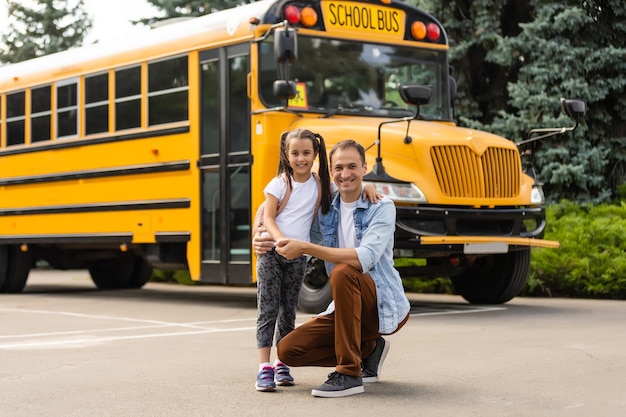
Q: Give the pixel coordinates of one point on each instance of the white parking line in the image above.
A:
(201, 327)
(467, 310)
(92, 316)
(91, 341)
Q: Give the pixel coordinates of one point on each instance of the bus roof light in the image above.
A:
(309, 17)
(433, 31)
(418, 30)
(292, 14)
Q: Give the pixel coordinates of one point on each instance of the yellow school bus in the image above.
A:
(153, 151)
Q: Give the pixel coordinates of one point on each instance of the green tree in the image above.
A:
(188, 8)
(46, 27)
(567, 51)
(514, 59)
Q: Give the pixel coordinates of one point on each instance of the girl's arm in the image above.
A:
(369, 191)
(269, 217)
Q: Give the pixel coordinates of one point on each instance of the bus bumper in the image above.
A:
(436, 231)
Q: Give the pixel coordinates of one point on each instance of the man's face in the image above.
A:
(348, 170)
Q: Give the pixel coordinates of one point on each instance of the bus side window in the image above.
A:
(97, 104)
(40, 116)
(15, 118)
(168, 88)
(128, 98)
(67, 108)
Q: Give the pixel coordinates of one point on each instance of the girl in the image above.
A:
(292, 200)
(279, 280)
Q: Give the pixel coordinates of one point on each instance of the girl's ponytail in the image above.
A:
(324, 174)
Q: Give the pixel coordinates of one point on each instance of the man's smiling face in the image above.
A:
(348, 169)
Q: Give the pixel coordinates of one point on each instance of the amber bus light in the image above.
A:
(418, 30)
(308, 17)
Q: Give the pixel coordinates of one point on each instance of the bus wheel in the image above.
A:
(315, 292)
(494, 279)
(17, 264)
(112, 273)
(142, 272)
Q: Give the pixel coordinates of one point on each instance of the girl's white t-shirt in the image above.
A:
(296, 218)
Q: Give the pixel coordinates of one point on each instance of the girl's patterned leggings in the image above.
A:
(278, 284)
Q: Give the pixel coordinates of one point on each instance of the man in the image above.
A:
(368, 297)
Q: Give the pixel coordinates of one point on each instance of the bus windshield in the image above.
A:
(348, 77)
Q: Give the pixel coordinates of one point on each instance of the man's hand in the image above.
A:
(262, 242)
(290, 248)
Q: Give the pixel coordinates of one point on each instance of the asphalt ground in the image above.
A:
(67, 349)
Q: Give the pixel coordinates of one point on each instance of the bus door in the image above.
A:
(225, 165)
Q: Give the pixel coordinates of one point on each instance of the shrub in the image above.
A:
(591, 262)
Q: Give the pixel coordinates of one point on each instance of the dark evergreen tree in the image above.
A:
(515, 59)
(567, 52)
(47, 26)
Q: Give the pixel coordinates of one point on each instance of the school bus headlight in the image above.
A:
(536, 195)
(407, 193)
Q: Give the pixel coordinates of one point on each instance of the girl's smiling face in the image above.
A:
(301, 156)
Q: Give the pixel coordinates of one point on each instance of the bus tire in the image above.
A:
(315, 293)
(142, 272)
(18, 265)
(112, 273)
(494, 279)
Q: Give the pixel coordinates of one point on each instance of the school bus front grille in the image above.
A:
(464, 174)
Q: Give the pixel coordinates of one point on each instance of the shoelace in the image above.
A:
(333, 378)
(267, 373)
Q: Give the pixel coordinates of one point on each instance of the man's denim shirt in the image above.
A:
(375, 227)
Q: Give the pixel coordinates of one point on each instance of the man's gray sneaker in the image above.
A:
(339, 385)
(374, 362)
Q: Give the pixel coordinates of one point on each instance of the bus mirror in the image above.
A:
(574, 108)
(416, 94)
(452, 88)
(285, 46)
(284, 90)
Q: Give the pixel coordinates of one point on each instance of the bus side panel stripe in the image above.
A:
(100, 207)
(95, 141)
(100, 173)
(117, 238)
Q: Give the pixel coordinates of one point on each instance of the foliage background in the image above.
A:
(45, 27)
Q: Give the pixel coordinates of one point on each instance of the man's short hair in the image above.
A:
(345, 144)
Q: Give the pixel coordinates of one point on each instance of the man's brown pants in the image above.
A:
(343, 338)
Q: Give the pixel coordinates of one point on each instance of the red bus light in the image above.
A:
(433, 31)
(292, 14)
